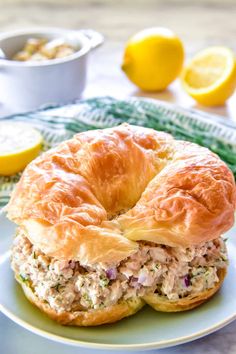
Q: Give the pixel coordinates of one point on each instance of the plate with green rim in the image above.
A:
(147, 329)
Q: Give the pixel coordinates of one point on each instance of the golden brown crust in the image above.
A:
(161, 303)
(169, 192)
(109, 314)
(192, 200)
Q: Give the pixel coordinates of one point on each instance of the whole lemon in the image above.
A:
(153, 58)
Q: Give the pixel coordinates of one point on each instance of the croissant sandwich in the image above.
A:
(118, 218)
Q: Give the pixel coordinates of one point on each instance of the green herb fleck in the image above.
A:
(23, 278)
(87, 298)
(57, 287)
(104, 281)
(224, 258)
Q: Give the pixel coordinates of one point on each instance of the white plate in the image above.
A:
(146, 330)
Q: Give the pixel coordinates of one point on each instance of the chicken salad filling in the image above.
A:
(173, 272)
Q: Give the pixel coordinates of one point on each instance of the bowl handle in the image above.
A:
(95, 38)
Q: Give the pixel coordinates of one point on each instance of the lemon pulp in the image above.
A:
(19, 144)
(210, 77)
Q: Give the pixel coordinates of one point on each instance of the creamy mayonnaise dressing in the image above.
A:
(167, 271)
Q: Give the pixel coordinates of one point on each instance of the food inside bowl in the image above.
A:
(37, 49)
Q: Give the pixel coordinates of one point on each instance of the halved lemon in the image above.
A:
(210, 77)
(19, 144)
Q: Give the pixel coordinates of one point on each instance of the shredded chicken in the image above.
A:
(167, 271)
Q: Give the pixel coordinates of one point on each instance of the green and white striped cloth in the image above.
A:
(60, 123)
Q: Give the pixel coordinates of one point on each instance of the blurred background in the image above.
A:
(198, 23)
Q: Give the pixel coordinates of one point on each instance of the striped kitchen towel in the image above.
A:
(60, 123)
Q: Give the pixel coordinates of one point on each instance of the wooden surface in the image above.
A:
(199, 23)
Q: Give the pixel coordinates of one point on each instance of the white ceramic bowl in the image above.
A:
(29, 85)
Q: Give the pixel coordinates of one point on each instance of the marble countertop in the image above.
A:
(199, 24)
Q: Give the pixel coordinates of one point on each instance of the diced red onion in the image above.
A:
(134, 282)
(187, 281)
(111, 273)
(142, 278)
(72, 264)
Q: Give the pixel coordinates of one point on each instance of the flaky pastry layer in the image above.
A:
(93, 196)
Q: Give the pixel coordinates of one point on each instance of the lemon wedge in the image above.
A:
(153, 58)
(210, 77)
(19, 144)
